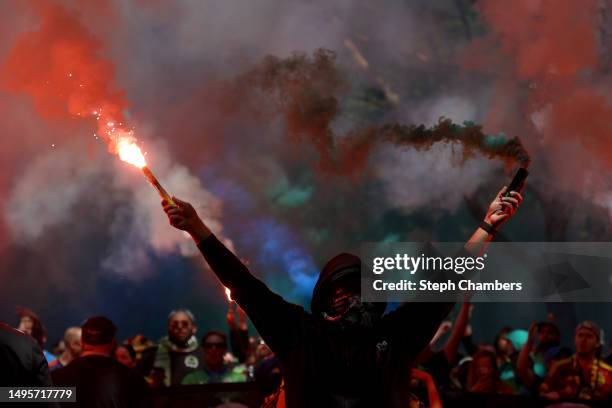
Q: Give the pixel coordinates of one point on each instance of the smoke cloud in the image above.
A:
(60, 68)
(289, 125)
(551, 58)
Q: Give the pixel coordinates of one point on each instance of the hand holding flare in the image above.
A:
(183, 216)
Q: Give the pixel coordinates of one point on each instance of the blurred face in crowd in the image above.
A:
(214, 347)
(262, 351)
(586, 342)
(548, 336)
(484, 368)
(505, 346)
(180, 328)
(123, 356)
(25, 325)
(72, 341)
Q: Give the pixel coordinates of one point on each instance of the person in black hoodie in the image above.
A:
(344, 353)
(22, 363)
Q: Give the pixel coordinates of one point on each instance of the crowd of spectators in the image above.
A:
(529, 362)
(521, 362)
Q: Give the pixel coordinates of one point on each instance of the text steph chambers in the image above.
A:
(465, 284)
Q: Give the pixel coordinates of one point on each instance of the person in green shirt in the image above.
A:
(178, 353)
(215, 369)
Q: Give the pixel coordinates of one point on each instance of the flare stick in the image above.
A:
(153, 180)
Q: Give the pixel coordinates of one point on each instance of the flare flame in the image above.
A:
(130, 153)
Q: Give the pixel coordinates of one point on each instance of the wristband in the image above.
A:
(488, 228)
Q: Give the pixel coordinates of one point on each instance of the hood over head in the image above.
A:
(343, 266)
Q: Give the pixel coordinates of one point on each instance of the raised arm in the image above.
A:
(239, 334)
(229, 269)
(416, 323)
(452, 344)
(277, 321)
(433, 397)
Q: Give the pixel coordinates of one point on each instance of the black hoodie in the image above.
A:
(326, 365)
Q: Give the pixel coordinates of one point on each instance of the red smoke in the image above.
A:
(548, 51)
(59, 66)
(548, 37)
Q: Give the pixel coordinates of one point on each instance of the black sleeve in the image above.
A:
(140, 393)
(413, 325)
(40, 368)
(278, 322)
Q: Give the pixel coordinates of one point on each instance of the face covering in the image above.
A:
(350, 312)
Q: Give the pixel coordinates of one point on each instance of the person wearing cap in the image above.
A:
(101, 381)
(583, 375)
(344, 352)
(178, 353)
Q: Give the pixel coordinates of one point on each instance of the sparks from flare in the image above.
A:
(128, 150)
(228, 294)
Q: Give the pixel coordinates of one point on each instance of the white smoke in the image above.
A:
(415, 179)
(456, 108)
(48, 192)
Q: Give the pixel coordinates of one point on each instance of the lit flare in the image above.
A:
(130, 153)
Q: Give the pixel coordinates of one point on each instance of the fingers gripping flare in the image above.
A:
(183, 216)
